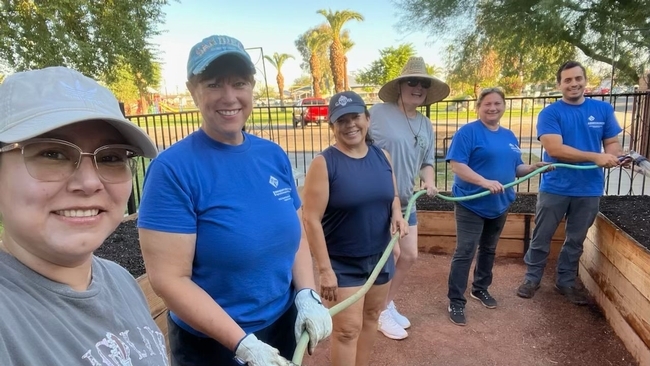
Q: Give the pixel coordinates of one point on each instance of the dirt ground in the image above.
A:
(546, 330)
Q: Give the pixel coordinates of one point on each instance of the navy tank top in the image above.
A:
(356, 222)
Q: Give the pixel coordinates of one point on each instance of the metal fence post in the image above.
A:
(131, 207)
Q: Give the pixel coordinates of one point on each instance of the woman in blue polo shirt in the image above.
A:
(483, 156)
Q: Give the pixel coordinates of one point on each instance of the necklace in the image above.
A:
(416, 136)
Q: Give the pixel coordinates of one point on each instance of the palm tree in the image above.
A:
(336, 21)
(317, 40)
(347, 44)
(434, 70)
(277, 60)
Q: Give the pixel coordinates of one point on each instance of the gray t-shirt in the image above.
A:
(409, 141)
(47, 323)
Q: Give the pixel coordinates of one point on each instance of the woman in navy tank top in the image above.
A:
(351, 209)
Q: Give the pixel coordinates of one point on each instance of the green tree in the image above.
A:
(336, 21)
(388, 66)
(278, 60)
(474, 63)
(301, 82)
(260, 92)
(312, 46)
(591, 26)
(434, 70)
(347, 44)
(593, 77)
(128, 85)
(90, 36)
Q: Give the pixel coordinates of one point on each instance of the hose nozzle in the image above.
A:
(641, 162)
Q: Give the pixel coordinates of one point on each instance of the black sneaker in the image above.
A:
(485, 298)
(575, 295)
(457, 314)
(527, 289)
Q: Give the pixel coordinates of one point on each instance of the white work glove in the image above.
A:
(253, 352)
(312, 317)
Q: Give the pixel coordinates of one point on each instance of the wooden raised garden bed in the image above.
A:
(614, 267)
(437, 228)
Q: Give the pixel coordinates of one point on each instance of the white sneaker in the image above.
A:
(389, 327)
(399, 318)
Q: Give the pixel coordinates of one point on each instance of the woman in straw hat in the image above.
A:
(398, 127)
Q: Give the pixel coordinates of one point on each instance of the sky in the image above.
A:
(274, 26)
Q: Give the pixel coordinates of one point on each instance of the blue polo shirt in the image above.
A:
(583, 127)
(494, 155)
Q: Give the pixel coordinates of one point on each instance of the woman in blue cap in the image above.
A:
(220, 229)
(351, 209)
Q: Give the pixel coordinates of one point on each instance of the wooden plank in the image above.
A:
(156, 304)
(157, 307)
(626, 254)
(436, 223)
(632, 305)
(446, 244)
(444, 223)
(630, 339)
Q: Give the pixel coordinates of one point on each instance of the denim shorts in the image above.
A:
(413, 219)
(355, 271)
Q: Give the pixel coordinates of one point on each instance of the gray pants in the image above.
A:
(580, 214)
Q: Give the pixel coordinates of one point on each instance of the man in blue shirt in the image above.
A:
(579, 131)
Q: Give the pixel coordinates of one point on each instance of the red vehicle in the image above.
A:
(310, 110)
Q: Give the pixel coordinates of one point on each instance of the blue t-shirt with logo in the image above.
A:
(241, 203)
(583, 127)
(494, 155)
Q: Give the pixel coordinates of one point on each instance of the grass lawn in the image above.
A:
(284, 116)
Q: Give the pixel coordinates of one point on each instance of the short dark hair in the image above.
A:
(569, 65)
(223, 67)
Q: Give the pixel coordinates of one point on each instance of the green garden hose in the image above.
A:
(304, 338)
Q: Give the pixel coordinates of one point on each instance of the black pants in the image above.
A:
(190, 350)
(473, 231)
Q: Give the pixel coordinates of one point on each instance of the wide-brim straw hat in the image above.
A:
(415, 68)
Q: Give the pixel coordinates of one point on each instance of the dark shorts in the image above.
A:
(189, 350)
(355, 271)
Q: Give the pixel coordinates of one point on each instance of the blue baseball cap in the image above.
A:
(343, 103)
(210, 49)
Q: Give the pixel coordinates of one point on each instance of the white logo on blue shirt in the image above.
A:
(273, 181)
(515, 148)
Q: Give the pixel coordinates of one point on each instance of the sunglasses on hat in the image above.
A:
(424, 83)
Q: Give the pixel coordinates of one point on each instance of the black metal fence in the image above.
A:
(303, 143)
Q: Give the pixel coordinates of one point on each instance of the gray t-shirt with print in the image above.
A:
(409, 141)
(47, 323)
